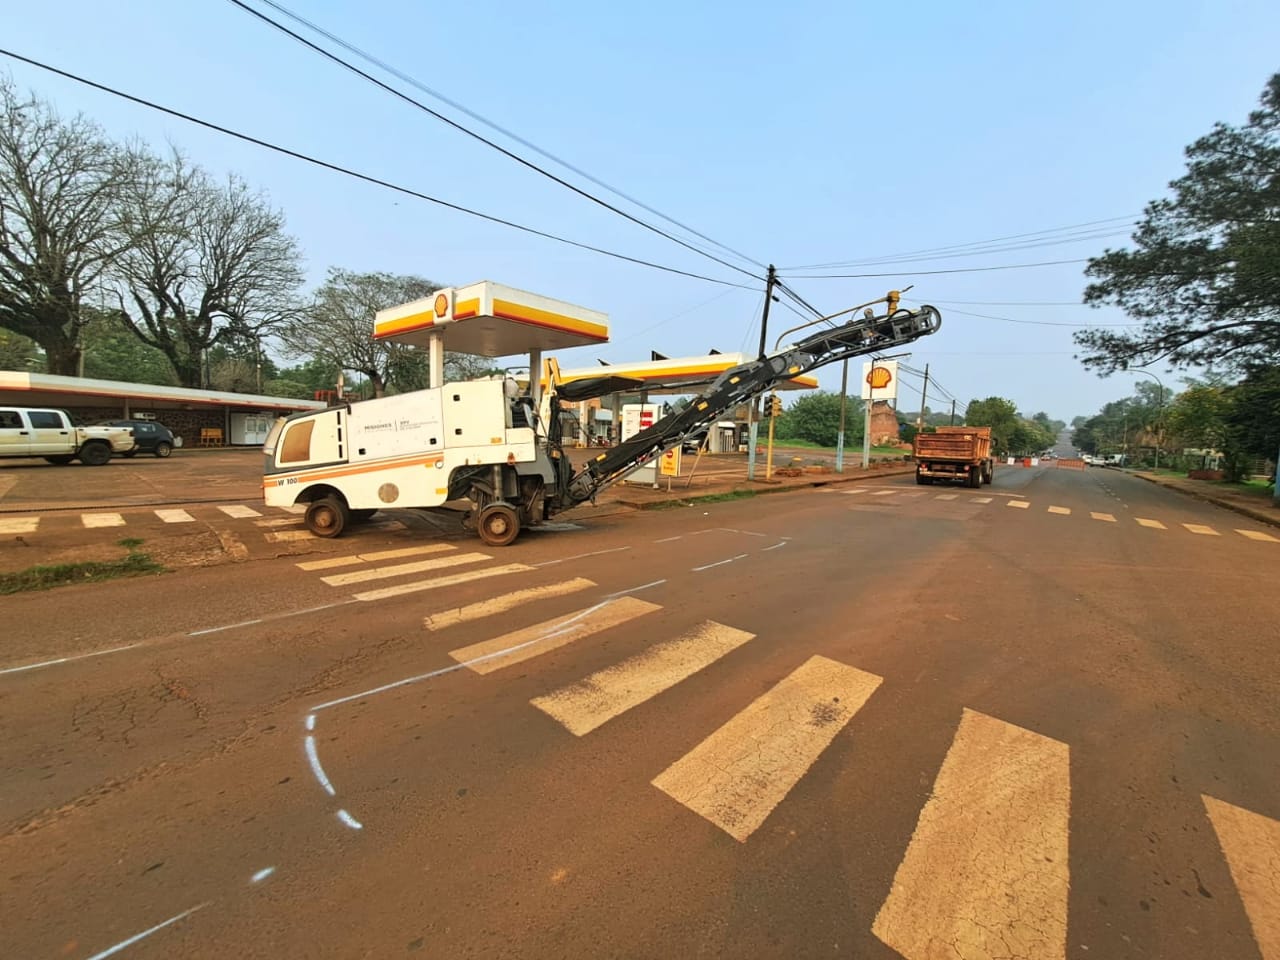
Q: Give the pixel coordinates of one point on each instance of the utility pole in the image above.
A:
(753, 428)
(844, 391)
(953, 413)
(924, 391)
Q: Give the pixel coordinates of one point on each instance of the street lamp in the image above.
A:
(1159, 410)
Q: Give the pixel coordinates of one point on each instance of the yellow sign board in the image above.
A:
(671, 463)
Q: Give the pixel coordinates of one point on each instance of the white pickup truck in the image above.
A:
(49, 433)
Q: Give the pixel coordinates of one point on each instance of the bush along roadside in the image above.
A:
(135, 564)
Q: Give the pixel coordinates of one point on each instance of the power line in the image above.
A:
(412, 81)
(1014, 303)
(1039, 323)
(987, 251)
(485, 140)
(965, 246)
(363, 176)
(921, 273)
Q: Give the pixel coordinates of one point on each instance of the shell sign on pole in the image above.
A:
(880, 380)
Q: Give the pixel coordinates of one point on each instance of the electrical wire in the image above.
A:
(346, 171)
(419, 85)
(1012, 303)
(987, 251)
(485, 140)
(1039, 323)
(676, 316)
(921, 273)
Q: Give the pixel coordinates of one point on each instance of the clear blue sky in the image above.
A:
(809, 133)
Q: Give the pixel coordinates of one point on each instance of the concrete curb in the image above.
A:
(760, 489)
(1258, 515)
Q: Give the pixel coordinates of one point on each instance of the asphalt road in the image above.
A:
(867, 721)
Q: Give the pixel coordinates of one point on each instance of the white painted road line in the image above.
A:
(175, 516)
(549, 635)
(496, 605)
(1251, 844)
(854, 492)
(112, 951)
(374, 557)
(403, 569)
(239, 511)
(1064, 511)
(1153, 524)
(581, 556)
(596, 699)
(50, 663)
(986, 872)
(718, 563)
(979, 499)
(1258, 535)
(1202, 530)
(1020, 504)
(102, 520)
(884, 493)
(946, 496)
(1109, 518)
(19, 524)
(435, 583)
(739, 774)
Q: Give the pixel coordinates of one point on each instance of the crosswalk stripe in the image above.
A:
(1020, 504)
(884, 493)
(102, 520)
(986, 871)
(495, 605)
(403, 569)
(239, 511)
(359, 558)
(19, 524)
(979, 499)
(1109, 518)
(855, 491)
(1065, 511)
(1257, 535)
(289, 536)
(278, 522)
(400, 589)
(1251, 844)
(946, 496)
(1153, 524)
(916, 493)
(595, 700)
(739, 774)
(1201, 529)
(549, 635)
(175, 516)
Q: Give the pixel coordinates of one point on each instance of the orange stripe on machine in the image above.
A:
(322, 473)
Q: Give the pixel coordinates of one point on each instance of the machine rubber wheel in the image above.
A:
(327, 517)
(61, 459)
(499, 524)
(163, 449)
(360, 516)
(95, 454)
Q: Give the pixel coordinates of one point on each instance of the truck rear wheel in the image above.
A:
(95, 454)
(327, 517)
(975, 477)
(924, 481)
(499, 524)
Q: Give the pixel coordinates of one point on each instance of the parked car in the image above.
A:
(151, 437)
(694, 441)
(49, 433)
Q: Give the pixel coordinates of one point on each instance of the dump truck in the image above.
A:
(960, 454)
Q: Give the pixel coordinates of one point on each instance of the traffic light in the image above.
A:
(775, 405)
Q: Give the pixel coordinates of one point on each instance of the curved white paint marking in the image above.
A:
(643, 586)
(262, 874)
(311, 721)
(111, 951)
(780, 543)
(316, 769)
(349, 820)
(718, 563)
(51, 663)
(580, 556)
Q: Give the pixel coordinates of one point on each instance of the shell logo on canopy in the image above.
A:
(442, 305)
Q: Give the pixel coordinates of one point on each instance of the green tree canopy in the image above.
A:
(1204, 275)
(815, 417)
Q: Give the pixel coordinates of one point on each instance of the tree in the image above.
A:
(337, 327)
(113, 352)
(204, 261)
(59, 183)
(815, 417)
(18, 352)
(1204, 277)
(1000, 415)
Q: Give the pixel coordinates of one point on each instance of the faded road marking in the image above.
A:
(1103, 516)
(278, 522)
(718, 563)
(596, 699)
(1251, 844)
(19, 524)
(1064, 511)
(7, 480)
(1201, 529)
(349, 820)
(580, 556)
(739, 774)
(112, 951)
(1257, 535)
(979, 499)
(239, 511)
(855, 491)
(289, 536)
(496, 605)
(102, 520)
(551, 634)
(403, 569)
(262, 874)
(313, 758)
(884, 493)
(946, 496)
(1153, 524)
(175, 516)
(78, 656)
(437, 582)
(986, 872)
(375, 557)
(1020, 504)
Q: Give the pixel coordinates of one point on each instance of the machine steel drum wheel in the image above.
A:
(499, 524)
